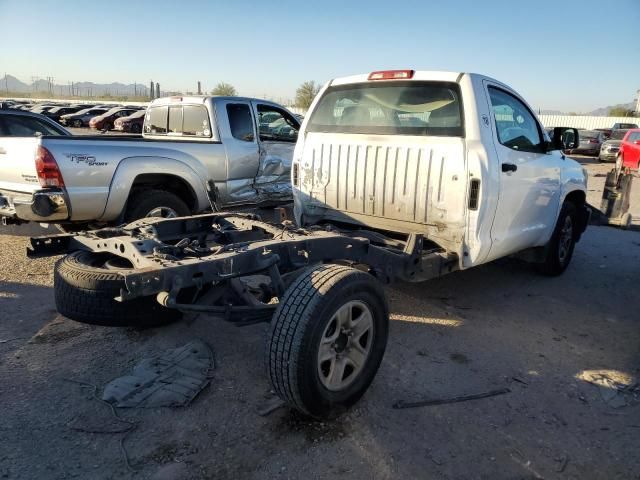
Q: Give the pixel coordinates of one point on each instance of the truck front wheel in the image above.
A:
(327, 339)
(155, 203)
(559, 250)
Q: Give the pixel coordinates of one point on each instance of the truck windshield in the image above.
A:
(400, 108)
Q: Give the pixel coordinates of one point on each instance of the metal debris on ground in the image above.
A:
(171, 379)
(429, 402)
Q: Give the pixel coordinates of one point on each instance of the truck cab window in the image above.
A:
(516, 126)
(175, 119)
(240, 121)
(156, 121)
(277, 125)
(195, 121)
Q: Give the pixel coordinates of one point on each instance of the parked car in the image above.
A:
(81, 118)
(106, 120)
(132, 123)
(629, 157)
(626, 126)
(398, 175)
(611, 147)
(195, 153)
(25, 124)
(55, 113)
(606, 131)
(589, 143)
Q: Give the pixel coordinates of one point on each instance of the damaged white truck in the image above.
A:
(397, 175)
(195, 154)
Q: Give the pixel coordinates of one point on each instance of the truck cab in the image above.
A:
(458, 157)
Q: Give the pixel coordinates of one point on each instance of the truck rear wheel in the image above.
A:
(327, 339)
(85, 285)
(155, 203)
(559, 250)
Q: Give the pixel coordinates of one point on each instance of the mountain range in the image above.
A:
(13, 84)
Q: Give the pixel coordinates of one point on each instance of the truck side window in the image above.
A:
(156, 121)
(277, 125)
(240, 121)
(516, 126)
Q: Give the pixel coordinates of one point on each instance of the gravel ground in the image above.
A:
(497, 326)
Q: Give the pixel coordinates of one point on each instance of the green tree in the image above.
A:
(225, 90)
(306, 93)
(620, 112)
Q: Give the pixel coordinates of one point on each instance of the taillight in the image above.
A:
(593, 140)
(391, 75)
(48, 172)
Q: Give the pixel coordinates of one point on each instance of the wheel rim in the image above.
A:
(164, 212)
(566, 239)
(345, 345)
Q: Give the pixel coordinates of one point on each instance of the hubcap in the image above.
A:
(164, 212)
(566, 239)
(345, 345)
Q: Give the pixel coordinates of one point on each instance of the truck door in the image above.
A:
(529, 179)
(241, 146)
(277, 134)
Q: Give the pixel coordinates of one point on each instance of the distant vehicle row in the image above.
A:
(127, 118)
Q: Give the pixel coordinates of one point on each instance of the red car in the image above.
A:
(133, 123)
(105, 121)
(629, 156)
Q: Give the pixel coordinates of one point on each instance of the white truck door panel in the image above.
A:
(529, 180)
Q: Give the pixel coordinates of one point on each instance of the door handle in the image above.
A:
(509, 167)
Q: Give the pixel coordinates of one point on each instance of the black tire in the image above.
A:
(300, 323)
(77, 123)
(135, 128)
(559, 250)
(85, 292)
(143, 202)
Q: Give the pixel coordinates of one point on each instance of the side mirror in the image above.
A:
(564, 138)
(637, 142)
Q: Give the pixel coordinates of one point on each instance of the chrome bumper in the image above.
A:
(41, 206)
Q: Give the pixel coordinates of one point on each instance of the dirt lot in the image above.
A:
(500, 325)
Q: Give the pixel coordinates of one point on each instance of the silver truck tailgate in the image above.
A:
(17, 164)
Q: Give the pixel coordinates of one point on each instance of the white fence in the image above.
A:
(583, 121)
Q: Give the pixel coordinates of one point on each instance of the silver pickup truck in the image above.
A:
(196, 153)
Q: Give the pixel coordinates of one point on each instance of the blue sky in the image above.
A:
(570, 55)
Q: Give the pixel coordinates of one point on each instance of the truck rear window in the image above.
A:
(400, 108)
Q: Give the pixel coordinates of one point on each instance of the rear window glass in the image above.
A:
(175, 119)
(618, 134)
(181, 120)
(401, 108)
(156, 121)
(196, 121)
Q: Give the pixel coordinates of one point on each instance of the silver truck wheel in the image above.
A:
(163, 212)
(327, 339)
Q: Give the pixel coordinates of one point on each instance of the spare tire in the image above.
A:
(85, 285)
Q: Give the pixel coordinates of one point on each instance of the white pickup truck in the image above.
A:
(195, 153)
(397, 175)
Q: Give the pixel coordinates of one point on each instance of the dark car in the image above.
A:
(132, 123)
(57, 112)
(590, 142)
(26, 124)
(82, 117)
(106, 120)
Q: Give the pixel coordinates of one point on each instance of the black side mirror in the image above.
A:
(564, 138)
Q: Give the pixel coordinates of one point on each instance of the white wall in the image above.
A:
(583, 121)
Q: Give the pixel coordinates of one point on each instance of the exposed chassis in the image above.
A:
(171, 255)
